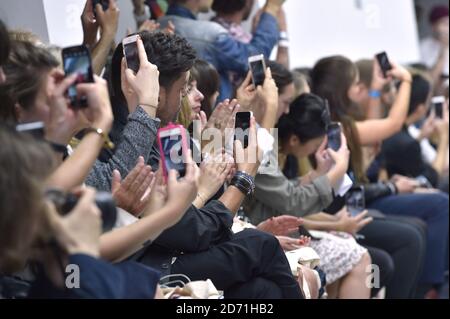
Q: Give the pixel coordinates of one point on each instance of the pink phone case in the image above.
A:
(184, 145)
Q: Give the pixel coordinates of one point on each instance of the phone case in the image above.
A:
(184, 144)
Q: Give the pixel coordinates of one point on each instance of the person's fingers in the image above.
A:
(135, 172)
(140, 178)
(361, 216)
(141, 50)
(203, 118)
(322, 146)
(145, 185)
(173, 176)
(116, 181)
(253, 134)
(65, 84)
(365, 222)
(248, 80)
(268, 73)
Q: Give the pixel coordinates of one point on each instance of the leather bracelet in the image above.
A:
(244, 182)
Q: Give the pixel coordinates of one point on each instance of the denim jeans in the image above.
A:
(433, 210)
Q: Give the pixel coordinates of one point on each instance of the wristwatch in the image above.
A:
(108, 144)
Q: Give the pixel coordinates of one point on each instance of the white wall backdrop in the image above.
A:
(355, 28)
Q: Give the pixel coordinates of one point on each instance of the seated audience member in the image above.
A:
(208, 83)
(51, 242)
(402, 153)
(214, 44)
(35, 91)
(336, 79)
(202, 239)
(435, 49)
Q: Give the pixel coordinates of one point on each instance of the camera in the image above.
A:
(66, 202)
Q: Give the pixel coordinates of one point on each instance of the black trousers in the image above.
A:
(252, 265)
(405, 240)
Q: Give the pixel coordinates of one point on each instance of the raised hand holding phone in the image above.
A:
(145, 83)
(77, 61)
(257, 66)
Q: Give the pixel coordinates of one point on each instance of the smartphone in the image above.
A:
(257, 66)
(334, 136)
(356, 200)
(130, 51)
(36, 129)
(384, 63)
(242, 127)
(438, 106)
(104, 4)
(77, 60)
(173, 147)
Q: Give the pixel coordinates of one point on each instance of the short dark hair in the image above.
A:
(171, 53)
(420, 91)
(228, 6)
(282, 76)
(24, 70)
(307, 119)
(4, 40)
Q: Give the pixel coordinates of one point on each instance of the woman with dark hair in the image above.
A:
(336, 79)
(208, 83)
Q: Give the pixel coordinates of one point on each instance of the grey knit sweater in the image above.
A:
(137, 140)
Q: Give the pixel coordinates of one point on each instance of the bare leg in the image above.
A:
(353, 285)
(333, 289)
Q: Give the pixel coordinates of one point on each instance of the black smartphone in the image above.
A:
(77, 60)
(242, 127)
(383, 61)
(257, 66)
(36, 129)
(438, 106)
(334, 136)
(104, 4)
(356, 200)
(130, 51)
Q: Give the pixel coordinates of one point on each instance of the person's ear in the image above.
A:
(294, 141)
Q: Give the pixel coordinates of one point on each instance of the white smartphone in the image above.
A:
(130, 51)
(257, 66)
(438, 106)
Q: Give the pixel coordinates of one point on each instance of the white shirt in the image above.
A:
(428, 151)
(430, 48)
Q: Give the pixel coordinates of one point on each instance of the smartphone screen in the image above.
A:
(242, 127)
(77, 60)
(36, 129)
(438, 106)
(131, 53)
(385, 65)
(258, 69)
(172, 147)
(355, 201)
(334, 136)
